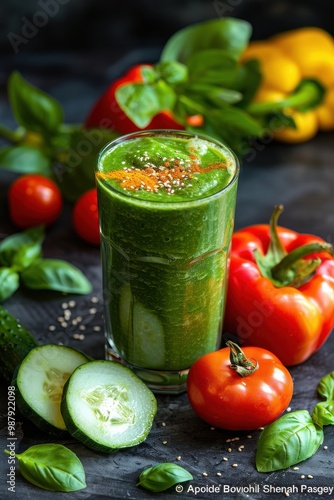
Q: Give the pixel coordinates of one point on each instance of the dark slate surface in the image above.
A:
(302, 178)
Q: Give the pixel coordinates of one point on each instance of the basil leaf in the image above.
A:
(75, 172)
(172, 72)
(27, 254)
(236, 119)
(33, 109)
(163, 476)
(12, 244)
(288, 441)
(25, 159)
(326, 386)
(141, 102)
(59, 275)
(323, 413)
(52, 467)
(9, 282)
(213, 66)
(228, 34)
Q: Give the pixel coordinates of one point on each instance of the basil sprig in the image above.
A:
(21, 261)
(200, 73)
(163, 476)
(296, 436)
(43, 144)
(52, 467)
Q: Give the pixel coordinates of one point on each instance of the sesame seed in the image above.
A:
(178, 458)
(78, 336)
(325, 447)
(64, 324)
(234, 465)
(288, 409)
(79, 318)
(74, 322)
(164, 442)
(225, 459)
(92, 310)
(309, 476)
(64, 305)
(94, 300)
(163, 424)
(286, 493)
(212, 428)
(205, 474)
(249, 436)
(52, 328)
(218, 474)
(60, 319)
(229, 450)
(96, 328)
(302, 476)
(82, 327)
(295, 468)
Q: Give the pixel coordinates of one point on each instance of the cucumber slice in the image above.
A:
(39, 381)
(107, 407)
(15, 343)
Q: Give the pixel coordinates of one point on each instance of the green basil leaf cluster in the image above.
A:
(200, 72)
(296, 436)
(163, 476)
(52, 467)
(21, 261)
(43, 144)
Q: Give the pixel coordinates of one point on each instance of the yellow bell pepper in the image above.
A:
(286, 59)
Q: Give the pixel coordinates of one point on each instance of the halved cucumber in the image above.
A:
(39, 381)
(107, 407)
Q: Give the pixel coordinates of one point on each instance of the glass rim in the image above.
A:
(175, 133)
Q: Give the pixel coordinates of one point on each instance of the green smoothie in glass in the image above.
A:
(166, 208)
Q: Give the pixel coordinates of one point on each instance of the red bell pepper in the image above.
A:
(280, 290)
(107, 113)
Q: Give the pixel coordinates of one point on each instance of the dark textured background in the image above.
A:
(73, 57)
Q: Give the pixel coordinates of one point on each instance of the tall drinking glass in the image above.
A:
(166, 207)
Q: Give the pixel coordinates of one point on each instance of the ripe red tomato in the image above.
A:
(227, 400)
(34, 199)
(85, 217)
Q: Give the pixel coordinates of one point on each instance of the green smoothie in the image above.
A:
(166, 206)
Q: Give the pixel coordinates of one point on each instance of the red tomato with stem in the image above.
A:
(34, 199)
(239, 390)
(85, 217)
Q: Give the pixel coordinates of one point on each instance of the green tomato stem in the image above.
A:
(242, 365)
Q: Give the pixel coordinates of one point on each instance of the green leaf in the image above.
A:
(213, 66)
(248, 81)
(326, 387)
(231, 35)
(9, 282)
(163, 476)
(288, 441)
(24, 160)
(323, 413)
(27, 254)
(237, 120)
(52, 467)
(172, 72)
(11, 245)
(33, 109)
(75, 170)
(141, 102)
(59, 275)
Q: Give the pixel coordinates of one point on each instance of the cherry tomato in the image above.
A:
(85, 217)
(227, 400)
(34, 199)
